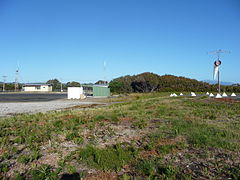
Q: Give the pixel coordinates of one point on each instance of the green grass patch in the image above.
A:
(110, 158)
(203, 135)
(155, 169)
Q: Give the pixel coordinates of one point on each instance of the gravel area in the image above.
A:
(8, 109)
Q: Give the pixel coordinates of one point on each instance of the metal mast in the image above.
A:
(217, 63)
(104, 71)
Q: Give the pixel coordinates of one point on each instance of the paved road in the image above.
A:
(31, 97)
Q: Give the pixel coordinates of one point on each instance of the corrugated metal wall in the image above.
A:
(101, 91)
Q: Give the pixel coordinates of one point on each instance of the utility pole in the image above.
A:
(217, 64)
(61, 85)
(4, 81)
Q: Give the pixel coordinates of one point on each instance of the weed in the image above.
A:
(4, 167)
(165, 149)
(19, 176)
(71, 135)
(233, 172)
(100, 118)
(6, 155)
(44, 172)
(24, 159)
(154, 168)
(140, 124)
(110, 158)
(72, 169)
(114, 118)
(78, 140)
(147, 167)
(125, 177)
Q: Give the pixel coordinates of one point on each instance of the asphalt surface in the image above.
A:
(31, 97)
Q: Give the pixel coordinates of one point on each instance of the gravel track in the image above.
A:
(8, 109)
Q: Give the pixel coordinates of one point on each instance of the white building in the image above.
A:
(75, 92)
(37, 87)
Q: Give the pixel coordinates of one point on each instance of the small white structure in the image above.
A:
(193, 94)
(173, 95)
(211, 95)
(37, 87)
(75, 92)
(224, 95)
(207, 93)
(218, 95)
(181, 94)
(233, 94)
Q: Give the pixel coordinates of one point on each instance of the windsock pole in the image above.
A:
(219, 82)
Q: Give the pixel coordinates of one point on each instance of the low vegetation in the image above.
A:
(146, 136)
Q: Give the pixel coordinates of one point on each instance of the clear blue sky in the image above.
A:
(71, 39)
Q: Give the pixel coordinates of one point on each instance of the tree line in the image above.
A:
(56, 85)
(150, 82)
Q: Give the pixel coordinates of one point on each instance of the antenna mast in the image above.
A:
(104, 70)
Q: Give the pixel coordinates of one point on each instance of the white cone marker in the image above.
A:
(193, 94)
(207, 93)
(233, 94)
(218, 95)
(224, 95)
(175, 95)
(211, 95)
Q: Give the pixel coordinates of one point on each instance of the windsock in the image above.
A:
(216, 66)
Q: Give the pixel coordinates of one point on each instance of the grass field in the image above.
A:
(146, 136)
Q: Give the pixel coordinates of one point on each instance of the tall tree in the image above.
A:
(55, 83)
(121, 84)
(146, 82)
(73, 84)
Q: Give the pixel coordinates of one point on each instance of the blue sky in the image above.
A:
(70, 40)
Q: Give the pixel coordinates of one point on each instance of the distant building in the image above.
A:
(96, 90)
(37, 87)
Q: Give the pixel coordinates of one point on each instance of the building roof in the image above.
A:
(37, 84)
(94, 85)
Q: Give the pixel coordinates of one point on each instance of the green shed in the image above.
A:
(101, 91)
(96, 90)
